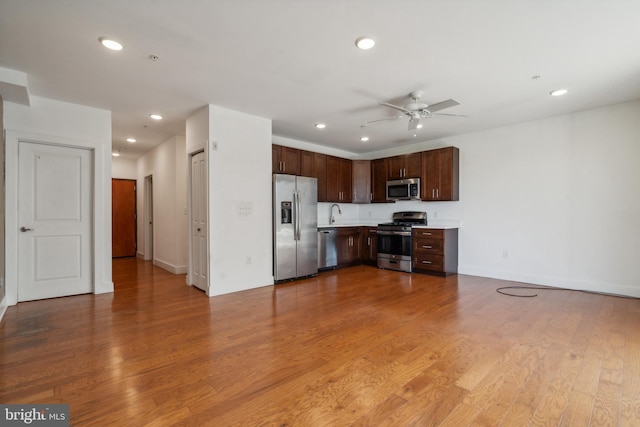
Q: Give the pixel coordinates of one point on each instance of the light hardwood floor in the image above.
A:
(358, 346)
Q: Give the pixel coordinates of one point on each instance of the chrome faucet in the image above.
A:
(331, 217)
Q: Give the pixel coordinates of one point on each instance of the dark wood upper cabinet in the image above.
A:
(285, 160)
(361, 181)
(405, 166)
(379, 175)
(338, 179)
(365, 181)
(320, 172)
(306, 164)
(314, 165)
(440, 174)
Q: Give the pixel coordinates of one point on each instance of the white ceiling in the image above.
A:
(295, 62)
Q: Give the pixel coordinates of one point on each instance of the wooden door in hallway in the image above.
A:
(123, 217)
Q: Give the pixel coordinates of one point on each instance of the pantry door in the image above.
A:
(55, 220)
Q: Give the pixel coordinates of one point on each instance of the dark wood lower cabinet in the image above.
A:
(348, 246)
(435, 251)
(369, 245)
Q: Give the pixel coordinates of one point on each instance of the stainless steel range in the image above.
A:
(394, 240)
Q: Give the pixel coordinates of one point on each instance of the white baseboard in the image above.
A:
(175, 269)
(553, 281)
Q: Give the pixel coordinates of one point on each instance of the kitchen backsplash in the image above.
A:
(438, 213)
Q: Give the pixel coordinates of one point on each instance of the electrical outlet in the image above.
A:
(505, 254)
(248, 260)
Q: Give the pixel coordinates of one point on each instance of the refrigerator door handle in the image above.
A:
(296, 221)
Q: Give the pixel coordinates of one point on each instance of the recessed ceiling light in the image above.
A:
(131, 140)
(364, 139)
(115, 154)
(155, 116)
(559, 92)
(365, 43)
(321, 125)
(419, 126)
(110, 44)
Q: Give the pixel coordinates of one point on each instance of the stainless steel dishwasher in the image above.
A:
(327, 248)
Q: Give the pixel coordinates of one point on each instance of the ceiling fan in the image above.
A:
(417, 110)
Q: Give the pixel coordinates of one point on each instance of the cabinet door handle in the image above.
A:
(433, 193)
(427, 246)
(426, 234)
(368, 241)
(426, 262)
(437, 193)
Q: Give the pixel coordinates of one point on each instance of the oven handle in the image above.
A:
(394, 233)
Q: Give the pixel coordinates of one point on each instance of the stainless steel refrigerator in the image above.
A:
(295, 227)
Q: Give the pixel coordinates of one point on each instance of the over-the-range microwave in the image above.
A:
(403, 189)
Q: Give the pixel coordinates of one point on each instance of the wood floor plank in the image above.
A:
(357, 346)
(578, 410)
(607, 404)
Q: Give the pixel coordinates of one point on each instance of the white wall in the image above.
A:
(166, 164)
(554, 201)
(238, 152)
(124, 168)
(240, 176)
(74, 125)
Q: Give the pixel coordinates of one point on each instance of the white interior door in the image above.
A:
(54, 213)
(199, 221)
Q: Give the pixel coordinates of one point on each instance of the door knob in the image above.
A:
(25, 229)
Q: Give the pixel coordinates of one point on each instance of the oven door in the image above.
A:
(394, 242)
(394, 250)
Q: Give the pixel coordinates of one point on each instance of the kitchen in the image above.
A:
(302, 178)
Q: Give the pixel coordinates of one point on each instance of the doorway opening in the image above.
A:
(123, 218)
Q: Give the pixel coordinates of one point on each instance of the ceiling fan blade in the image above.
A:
(413, 124)
(404, 110)
(452, 115)
(442, 105)
(381, 120)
